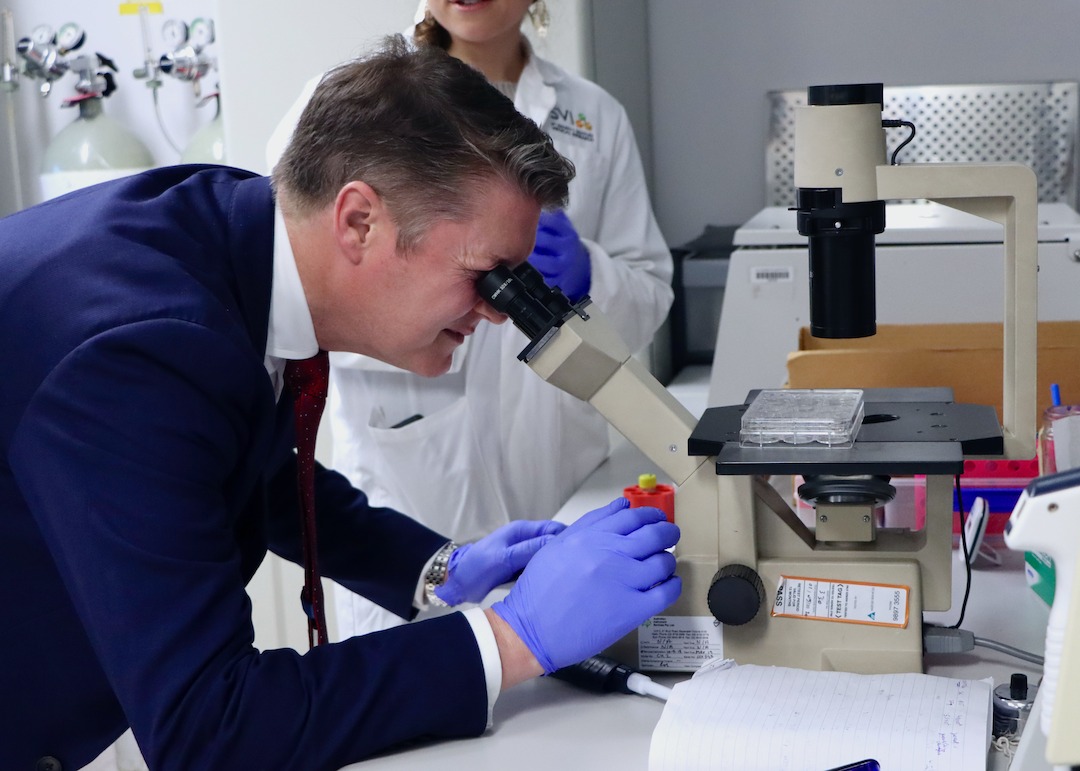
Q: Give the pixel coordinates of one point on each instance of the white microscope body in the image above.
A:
(742, 546)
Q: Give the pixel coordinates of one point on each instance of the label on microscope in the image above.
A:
(679, 643)
(849, 602)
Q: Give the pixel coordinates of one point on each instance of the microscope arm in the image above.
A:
(1004, 193)
(587, 359)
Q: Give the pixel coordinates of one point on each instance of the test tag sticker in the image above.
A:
(680, 643)
(849, 602)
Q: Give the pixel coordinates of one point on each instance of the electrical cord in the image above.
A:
(1023, 655)
(947, 639)
(902, 145)
(964, 545)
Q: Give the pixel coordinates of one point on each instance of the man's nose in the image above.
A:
(489, 313)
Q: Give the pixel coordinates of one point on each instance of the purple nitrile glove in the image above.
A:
(593, 583)
(560, 256)
(477, 568)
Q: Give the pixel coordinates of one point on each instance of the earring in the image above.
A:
(540, 18)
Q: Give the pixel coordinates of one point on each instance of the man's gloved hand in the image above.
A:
(560, 256)
(595, 581)
(477, 568)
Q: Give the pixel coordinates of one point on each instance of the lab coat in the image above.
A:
(495, 442)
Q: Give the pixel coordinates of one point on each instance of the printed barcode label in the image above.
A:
(773, 275)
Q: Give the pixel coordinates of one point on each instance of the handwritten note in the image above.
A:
(753, 717)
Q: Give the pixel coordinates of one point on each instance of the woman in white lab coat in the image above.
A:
(494, 442)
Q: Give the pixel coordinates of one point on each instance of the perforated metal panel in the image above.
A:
(1030, 123)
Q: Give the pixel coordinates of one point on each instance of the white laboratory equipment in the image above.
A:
(93, 148)
(934, 265)
(185, 60)
(846, 595)
(1047, 519)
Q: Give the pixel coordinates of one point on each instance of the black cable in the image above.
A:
(603, 674)
(597, 673)
(964, 544)
(902, 145)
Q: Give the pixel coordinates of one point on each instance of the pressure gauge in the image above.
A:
(70, 37)
(42, 35)
(175, 33)
(202, 33)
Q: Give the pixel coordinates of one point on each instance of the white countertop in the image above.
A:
(547, 724)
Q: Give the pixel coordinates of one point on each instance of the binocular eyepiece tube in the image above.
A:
(534, 307)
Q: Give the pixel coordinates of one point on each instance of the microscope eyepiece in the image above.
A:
(504, 291)
(533, 306)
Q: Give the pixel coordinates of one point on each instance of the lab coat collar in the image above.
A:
(535, 97)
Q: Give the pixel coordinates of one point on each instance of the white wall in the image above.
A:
(329, 32)
(712, 64)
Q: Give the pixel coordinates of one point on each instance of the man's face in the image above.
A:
(425, 303)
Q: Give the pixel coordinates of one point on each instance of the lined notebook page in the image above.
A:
(753, 717)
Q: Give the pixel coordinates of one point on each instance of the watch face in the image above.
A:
(42, 35)
(70, 36)
(175, 33)
(202, 33)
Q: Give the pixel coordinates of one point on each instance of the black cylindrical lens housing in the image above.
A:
(842, 286)
(846, 93)
(506, 293)
(843, 302)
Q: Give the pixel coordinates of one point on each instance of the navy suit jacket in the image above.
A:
(145, 469)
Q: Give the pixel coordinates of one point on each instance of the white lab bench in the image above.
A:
(547, 724)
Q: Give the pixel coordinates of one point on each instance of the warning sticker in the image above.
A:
(680, 643)
(850, 602)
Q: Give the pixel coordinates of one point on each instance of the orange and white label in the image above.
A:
(849, 602)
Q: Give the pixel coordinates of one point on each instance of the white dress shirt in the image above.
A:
(291, 335)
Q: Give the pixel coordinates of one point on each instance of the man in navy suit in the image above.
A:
(147, 449)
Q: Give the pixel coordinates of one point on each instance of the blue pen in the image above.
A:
(1055, 394)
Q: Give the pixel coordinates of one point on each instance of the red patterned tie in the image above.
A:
(307, 381)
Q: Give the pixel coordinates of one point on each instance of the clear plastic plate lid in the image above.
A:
(827, 416)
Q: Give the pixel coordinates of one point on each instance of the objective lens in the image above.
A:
(843, 301)
(842, 286)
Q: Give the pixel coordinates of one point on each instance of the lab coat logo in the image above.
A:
(572, 124)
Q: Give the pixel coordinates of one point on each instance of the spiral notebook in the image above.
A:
(748, 717)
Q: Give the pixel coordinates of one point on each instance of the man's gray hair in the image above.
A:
(425, 131)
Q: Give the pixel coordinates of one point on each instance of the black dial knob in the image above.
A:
(736, 594)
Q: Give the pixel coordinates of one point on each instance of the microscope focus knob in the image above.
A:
(736, 594)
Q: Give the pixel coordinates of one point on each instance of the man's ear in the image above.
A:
(360, 220)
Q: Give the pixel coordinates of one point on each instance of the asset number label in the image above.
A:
(679, 643)
(848, 602)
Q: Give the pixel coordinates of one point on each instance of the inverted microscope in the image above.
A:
(760, 585)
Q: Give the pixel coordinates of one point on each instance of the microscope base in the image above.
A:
(858, 644)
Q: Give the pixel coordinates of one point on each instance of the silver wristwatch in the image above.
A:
(436, 575)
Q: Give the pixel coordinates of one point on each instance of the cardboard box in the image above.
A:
(965, 357)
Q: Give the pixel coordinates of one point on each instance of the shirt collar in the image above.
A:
(290, 333)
